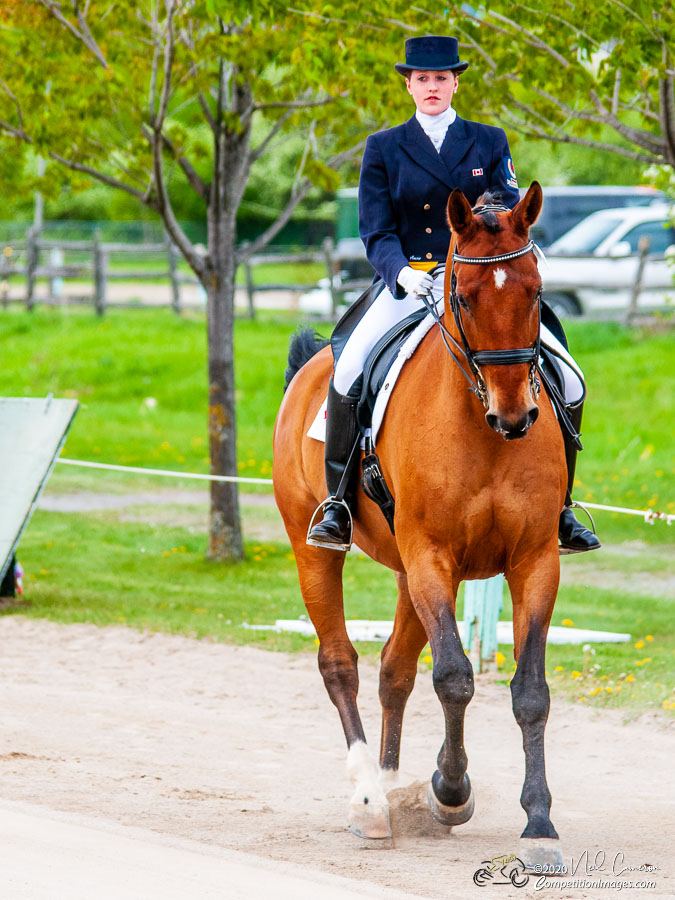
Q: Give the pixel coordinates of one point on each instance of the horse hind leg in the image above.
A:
(320, 573)
(397, 678)
(533, 594)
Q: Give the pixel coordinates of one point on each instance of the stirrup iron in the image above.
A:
(344, 548)
(576, 505)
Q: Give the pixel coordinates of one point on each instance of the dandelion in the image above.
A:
(500, 658)
(289, 556)
(582, 700)
(576, 674)
(609, 690)
(568, 623)
(316, 642)
(639, 645)
(559, 669)
(649, 637)
(595, 691)
(426, 659)
(642, 662)
(257, 557)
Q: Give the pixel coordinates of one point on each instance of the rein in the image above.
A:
(477, 358)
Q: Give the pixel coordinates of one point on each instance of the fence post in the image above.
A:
(328, 248)
(248, 274)
(173, 275)
(643, 249)
(100, 274)
(32, 259)
(482, 605)
(4, 278)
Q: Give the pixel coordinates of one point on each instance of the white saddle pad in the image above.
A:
(571, 371)
(317, 429)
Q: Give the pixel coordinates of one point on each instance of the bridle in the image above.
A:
(477, 358)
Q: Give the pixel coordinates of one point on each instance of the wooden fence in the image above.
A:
(40, 258)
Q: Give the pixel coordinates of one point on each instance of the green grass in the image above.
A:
(92, 568)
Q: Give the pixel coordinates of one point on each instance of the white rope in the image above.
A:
(649, 515)
(165, 472)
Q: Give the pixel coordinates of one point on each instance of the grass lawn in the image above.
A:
(140, 376)
(157, 579)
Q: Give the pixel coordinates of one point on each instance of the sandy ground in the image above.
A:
(159, 740)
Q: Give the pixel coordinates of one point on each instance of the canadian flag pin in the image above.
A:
(476, 171)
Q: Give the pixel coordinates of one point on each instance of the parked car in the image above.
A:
(565, 206)
(593, 267)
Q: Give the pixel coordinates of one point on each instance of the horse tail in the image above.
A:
(305, 344)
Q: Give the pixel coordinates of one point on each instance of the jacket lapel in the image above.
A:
(420, 149)
(456, 145)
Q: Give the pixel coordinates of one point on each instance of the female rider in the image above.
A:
(406, 178)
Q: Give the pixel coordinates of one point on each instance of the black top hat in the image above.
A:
(434, 53)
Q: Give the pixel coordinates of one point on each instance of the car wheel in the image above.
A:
(563, 305)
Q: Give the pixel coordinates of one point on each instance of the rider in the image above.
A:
(406, 177)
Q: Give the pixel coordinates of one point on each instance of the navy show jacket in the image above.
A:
(405, 184)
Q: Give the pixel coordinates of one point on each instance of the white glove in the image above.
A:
(415, 281)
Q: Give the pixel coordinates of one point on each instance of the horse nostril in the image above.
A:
(492, 420)
(532, 416)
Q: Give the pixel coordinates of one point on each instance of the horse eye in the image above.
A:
(538, 295)
(461, 299)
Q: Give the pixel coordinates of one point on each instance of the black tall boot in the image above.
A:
(334, 531)
(573, 536)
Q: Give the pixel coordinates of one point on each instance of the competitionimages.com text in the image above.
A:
(545, 883)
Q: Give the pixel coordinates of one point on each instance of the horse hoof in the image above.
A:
(370, 821)
(450, 815)
(542, 855)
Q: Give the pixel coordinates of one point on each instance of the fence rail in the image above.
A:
(38, 258)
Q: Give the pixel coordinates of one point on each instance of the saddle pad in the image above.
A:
(317, 429)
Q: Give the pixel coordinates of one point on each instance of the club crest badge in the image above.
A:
(511, 179)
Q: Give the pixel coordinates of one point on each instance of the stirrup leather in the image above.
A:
(313, 542)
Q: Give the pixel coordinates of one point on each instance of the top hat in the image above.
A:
(434, 53)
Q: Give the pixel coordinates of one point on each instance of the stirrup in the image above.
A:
(344, 548)
(566, 551)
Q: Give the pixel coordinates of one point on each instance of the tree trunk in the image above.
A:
(225, 542)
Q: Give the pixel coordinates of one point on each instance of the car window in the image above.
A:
(586, 236)
(659, 233)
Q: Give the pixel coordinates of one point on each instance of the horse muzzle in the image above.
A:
(512, 428)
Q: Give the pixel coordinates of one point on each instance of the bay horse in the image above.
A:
(471, 502)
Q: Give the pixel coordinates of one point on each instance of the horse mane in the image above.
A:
(305, 344)
(489, 219)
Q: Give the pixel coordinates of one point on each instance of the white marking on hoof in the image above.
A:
(388, 779)
(368, 807)
(544, 853)
(450, 815)
(500, 277)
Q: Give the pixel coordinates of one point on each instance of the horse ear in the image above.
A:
(527, 211)
(459, 212)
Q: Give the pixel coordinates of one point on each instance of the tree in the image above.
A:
(600, 74)
(106, 91)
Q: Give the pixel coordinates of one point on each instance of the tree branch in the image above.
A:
(303, 189)
(194, 179)
(529, 130)
(163, 202)
(273, 132)
(84, 34)
(296, 104)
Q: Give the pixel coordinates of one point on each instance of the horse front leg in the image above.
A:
(433, 592)
(533, 591)
(320, 574)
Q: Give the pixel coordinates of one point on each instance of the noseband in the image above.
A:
(477, 358)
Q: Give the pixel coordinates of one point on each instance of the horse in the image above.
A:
(478, 491)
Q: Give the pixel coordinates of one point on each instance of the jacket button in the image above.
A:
(428, 230)
(426, 206)
(428, 255)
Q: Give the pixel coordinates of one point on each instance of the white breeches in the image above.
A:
(387, 312)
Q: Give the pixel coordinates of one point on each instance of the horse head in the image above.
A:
(496, 304)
